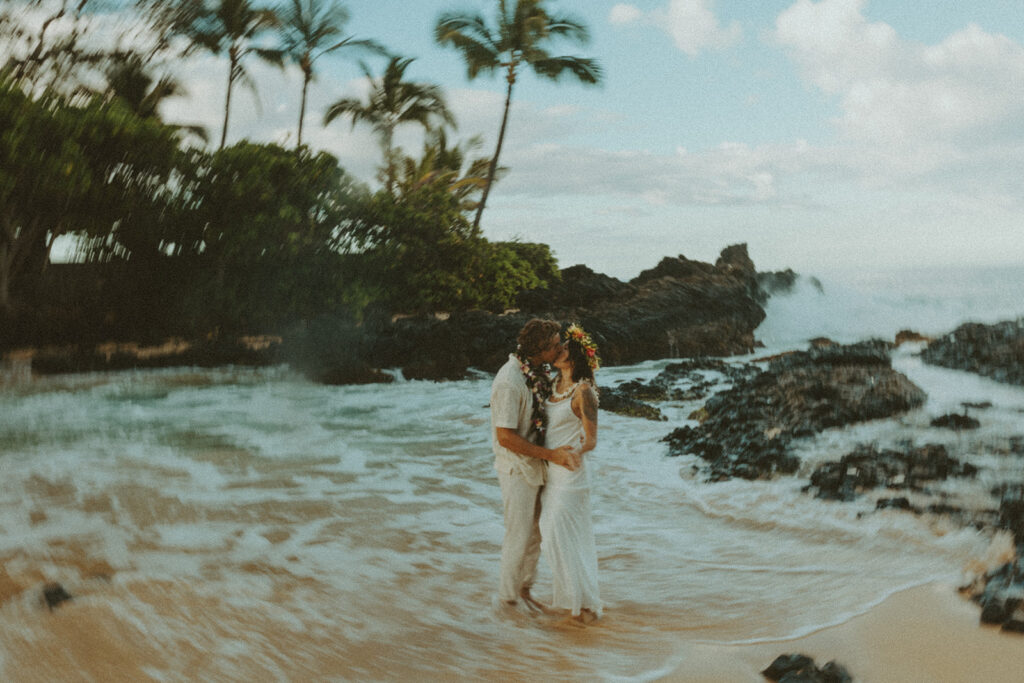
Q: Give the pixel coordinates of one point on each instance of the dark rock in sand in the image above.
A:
(1000, 598)
(956, 422)
(868, 467)
(1015, 623)
(784, 664)
(747, 429)
(995, 351)
(795, 668)
(54, 594)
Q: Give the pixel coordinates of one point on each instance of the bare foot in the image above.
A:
(531, 602)
(582, 620)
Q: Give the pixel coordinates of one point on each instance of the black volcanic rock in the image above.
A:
(956, 422)
(795, 668)
(54, 594)
(680, 309)
(747, 430)
(868, 467)
(616, 400)
(995, 351)
(579, 287)
(679, 267)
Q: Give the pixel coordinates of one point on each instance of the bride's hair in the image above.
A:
(580, 362)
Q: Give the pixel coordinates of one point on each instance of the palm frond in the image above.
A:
(271, 56)
(348, 106)
(568, 28)
(585, 70)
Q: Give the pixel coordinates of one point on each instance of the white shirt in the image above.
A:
(512, 408)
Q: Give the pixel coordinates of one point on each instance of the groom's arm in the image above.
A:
(563, 455)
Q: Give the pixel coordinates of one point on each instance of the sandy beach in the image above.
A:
(928, 634)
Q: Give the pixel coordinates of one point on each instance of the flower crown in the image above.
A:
(576, 333)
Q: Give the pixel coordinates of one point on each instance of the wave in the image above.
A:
(849, 306)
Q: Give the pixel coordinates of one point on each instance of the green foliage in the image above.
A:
(424, 255)
(92, 170)
(539, 258)
(263, 225)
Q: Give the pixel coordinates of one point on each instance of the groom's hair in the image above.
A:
(535, 335)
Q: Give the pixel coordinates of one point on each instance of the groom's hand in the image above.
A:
(566, 457)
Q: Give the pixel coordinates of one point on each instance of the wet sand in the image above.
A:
(928, 634)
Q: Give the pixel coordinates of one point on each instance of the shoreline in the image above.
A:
(923, 634)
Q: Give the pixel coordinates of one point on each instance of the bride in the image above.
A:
(565, 522)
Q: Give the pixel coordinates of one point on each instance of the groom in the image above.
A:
(517, 422)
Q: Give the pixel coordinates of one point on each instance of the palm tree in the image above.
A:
(393, 101)
(447, 165)
(309, 29)
(132, 83)
(519, 38)
(234, 25)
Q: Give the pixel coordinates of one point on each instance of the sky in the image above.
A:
(823, 133)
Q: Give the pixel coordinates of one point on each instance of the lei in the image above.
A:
(540, 386)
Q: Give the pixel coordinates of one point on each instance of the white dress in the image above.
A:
(565, 519)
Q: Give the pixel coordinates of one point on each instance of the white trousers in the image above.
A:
(520, 548)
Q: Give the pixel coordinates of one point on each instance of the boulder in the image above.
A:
(54, 594)
(796, 668)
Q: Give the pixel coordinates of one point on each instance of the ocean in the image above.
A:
(245, 524)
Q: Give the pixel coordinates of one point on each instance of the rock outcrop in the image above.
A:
(868, 467)
(746, 430)
(995, 351)
(680, 308)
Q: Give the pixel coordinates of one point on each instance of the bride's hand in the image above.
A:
(567, 457)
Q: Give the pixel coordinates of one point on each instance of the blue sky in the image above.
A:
(824, 133)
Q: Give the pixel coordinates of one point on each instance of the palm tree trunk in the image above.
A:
(493, 167)
(5, 290)
(302, 108)
(389, 161)
(227, 102)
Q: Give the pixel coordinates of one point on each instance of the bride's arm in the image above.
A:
(586, 408)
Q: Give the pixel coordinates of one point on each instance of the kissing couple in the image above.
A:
(542, 425)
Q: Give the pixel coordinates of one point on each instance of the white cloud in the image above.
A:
(691, 24)
(624, 14)
(937, 99)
